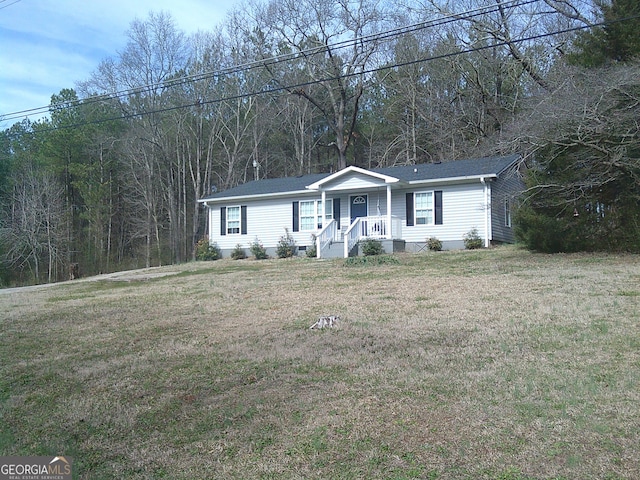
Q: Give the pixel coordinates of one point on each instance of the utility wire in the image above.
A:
(199, 103)
(7, 6)
(381, 36)
(332, 78)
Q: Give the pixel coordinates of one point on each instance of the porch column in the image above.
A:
(487, 213)
(324, 206)
(389, 224)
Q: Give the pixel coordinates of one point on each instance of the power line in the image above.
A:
(332, 78)
(381, 36)
(300, 85)
(7, 6)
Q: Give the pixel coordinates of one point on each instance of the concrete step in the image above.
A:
(335, 250)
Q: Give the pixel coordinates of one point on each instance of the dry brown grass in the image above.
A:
(495, 364)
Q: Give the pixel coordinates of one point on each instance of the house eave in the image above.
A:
(237, 198)
(310, 191)
(317, 186)
(452, 180)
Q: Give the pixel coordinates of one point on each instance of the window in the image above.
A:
(424, 208)
(307, 215)
(311, 214)
(507, 212)
(328, 210)
(233, 220)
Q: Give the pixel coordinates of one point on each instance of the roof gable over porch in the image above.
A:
(352, 178)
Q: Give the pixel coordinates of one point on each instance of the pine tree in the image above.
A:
(584, 195)
(618, 40)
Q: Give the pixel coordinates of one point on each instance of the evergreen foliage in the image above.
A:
(371, 260)
(238, 253)
(434, 244)
(312, 250)
(258, 250)
(286, 247)
(618, 40)
(113, 182)
(206, 251)
(472, 240)
(371, 247)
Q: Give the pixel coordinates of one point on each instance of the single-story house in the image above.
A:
(402, 206)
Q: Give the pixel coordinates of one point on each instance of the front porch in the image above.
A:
(387, 229)
(356, 186)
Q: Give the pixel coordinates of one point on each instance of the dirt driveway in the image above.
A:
(124, 276)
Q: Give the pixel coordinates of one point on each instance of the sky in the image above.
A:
(48, 45)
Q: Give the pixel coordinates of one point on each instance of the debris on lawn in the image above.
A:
(326, 322)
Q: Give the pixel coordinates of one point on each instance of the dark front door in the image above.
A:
(358, 206)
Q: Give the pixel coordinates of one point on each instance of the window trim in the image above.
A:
(321, 216)
(432, 209)
(239, 220)
(507, 213)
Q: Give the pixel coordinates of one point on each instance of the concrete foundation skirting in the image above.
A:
(393, 246)
(418, 247)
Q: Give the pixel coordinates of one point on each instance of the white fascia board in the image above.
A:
(256, 197)
(467, 179)
(318, 185)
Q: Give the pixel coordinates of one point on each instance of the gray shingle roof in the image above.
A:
(407, 173)
(455, 169)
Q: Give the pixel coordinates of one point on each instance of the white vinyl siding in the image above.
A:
(352, 183)
(268, 220)
(463, 208)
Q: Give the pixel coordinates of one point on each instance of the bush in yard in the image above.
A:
(472, 239)
(434, 244)
(238, 253)
(371, 247)
(207, 251)
(258, 250)
(312, 250)
(286, 246)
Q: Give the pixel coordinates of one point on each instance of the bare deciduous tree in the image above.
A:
(328, 38)
(34, 226)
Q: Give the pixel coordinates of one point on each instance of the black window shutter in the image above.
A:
(223, 220)
(438, 202)
(336, 211)
(243, 219)
(410, 209)
(296, 218)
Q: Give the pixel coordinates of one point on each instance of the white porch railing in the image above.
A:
(352, 236)
(326, 237)
(371, 227)
(378, 227)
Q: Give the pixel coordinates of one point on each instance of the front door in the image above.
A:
(359, 207)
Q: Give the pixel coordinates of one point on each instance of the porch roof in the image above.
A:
(373, 174)
(406, 174)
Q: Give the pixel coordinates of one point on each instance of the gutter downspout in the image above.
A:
(324, 211)
(487, 216)
(389, 224)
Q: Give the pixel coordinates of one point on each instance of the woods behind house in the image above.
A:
(110, 177)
